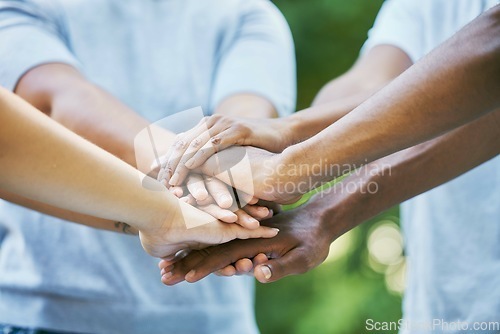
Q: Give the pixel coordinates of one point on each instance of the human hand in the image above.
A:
(188, 228)
(215, 198)
(219, 203)
(302, 244)
(216, 133)
(253, 171)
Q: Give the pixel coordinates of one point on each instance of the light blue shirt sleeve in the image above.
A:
(30, 35)
(258, 57)
(399, 23)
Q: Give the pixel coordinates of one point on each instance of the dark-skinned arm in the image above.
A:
(454, 84)
(306, 232)
(371, 72)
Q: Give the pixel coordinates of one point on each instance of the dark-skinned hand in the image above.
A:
(301, 245)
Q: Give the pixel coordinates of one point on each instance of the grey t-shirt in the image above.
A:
(452, 233)
(158, 57)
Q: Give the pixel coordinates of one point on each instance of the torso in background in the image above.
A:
(158, 57)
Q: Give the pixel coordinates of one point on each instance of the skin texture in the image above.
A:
(453, 85)
(110, 124)
(306, 232)
(106, 187)
(397, 176)
(334, 101)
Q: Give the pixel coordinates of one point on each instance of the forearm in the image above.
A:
(443, 91)
(306, 123)
(99, 223)
(88, 110)
(403, 175)
(372, 71)
(70, 172)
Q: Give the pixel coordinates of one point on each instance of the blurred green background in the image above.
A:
(363, 277)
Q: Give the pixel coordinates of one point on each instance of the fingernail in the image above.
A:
(189, 163)
(251, 220)
(266, 271)
(167, 275)
(276, 229)
(201, 194)
(264, 211)
(174, 179)
(225, 201)
(230, 218)
(190, 275)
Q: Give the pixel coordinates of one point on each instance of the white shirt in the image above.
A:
(452, 232)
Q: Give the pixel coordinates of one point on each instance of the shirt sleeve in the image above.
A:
(399, 23)
(31, 34)
(258, 57)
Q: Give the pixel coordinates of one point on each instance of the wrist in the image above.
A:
(287, 180)
(335, 217)
(303, 165)
(159, 215)
(292, 129)
(350, 202)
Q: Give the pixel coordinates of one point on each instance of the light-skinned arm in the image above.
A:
(43, 161)
(100, 118)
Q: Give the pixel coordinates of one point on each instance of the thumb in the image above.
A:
(217, 143)
(291, 263)
(260, 232)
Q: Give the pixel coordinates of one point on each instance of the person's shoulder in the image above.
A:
(36, 8)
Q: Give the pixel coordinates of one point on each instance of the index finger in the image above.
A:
(220, 257)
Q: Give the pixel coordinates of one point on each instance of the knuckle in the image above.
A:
(180, 144)
(200, 153)
(225, 256)
(196, 143)
(169, 168)
(216, 140)
(211, 120)
(227, 122)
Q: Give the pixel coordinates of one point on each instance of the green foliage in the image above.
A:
(328, 35)
(340, 295)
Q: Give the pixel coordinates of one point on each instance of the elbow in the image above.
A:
(490, 31)
(34, 87)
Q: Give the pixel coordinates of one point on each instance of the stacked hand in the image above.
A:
(188, 228)
(193, 170)
(224, 214)
(216, 133)
(302, 244)
(213, 148)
